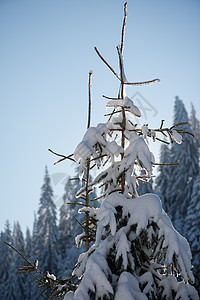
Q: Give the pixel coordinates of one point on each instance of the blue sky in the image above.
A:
(45, 55)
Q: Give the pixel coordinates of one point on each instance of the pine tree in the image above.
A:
(46, 248)
(29, 292)
(5, 259)
(163, 179)
(65, 227)
(137, 252)
(195, 127)
(192, 222)
(15, 285)
(182, 177)
(64, 224)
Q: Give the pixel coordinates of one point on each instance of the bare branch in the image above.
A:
(90, 98)
(165, 142)
(63, 157)
(172, 164)
(79, 223)
(36, 269)
(76, 178)
(112, 113)
(142, 83)
(105, 62)
(161, 125)
(179, 124)
(97, 198)
(123, 27)
(109, 98)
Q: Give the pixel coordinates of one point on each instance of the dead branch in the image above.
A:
(172, 164)
(142, 82)
(34, 267)
(90, 98)
(63, 157)
(105, 62)
(123, 27)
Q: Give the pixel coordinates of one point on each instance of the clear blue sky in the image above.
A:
(45, 55)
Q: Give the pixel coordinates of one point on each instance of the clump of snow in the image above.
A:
(94, 145)
(51, 276)
(176, 136)
(128, 104)
(139, 150)
(184, 291)
(69, 296)
(128, 288)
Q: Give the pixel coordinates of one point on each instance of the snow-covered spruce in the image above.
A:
(137, 254)
(137, 251)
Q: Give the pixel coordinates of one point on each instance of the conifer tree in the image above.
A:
(163, 179)
(192, 222)
(182, 177)
(137, 252)
(195, 127)
(5, 259)
(15, 286)
(46, 248)
(29, 290)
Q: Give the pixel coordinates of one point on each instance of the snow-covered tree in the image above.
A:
(192, 222)
(195, 127)
(15, 284)
(46, 248)
(163, 179)
(182, 176)
(137, 253)
(5, 258)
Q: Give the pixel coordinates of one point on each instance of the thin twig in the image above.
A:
(111, 115)
(36, 269)
(105, 62)
(196, 272)
(63, 157)
(76, 178)
(144, 181)
(165, 142)
(90, 98)
(79, 223)
(77, 203)
(97, 198)
(110, 98)
(161, 125)
(142, 82)
(179, 124)
(172, 164)
(123, 27)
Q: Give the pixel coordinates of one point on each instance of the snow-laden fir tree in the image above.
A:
(6, 255)
(29, 286)
(15, 284)
(192, 222)
(47, 230)
(195, 127)
(137, 253)
(182, 176)
(163, 179)
(45, 248)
